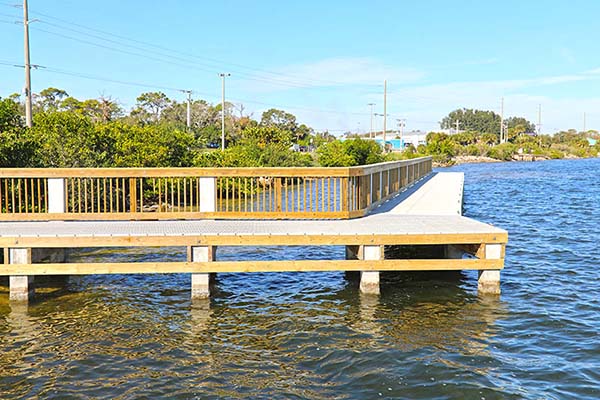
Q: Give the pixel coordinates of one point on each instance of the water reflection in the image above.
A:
(367, 322)
(200, 314)
(307, 335)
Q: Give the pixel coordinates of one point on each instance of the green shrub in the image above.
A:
(503, 151)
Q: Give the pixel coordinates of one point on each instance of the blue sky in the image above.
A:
(324, 61)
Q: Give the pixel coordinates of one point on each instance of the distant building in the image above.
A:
(393, 140)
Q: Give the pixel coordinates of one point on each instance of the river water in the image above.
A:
(311, 335)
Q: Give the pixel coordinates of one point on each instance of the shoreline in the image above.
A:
(459, 160)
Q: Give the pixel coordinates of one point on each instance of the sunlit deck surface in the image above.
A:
(382, 228)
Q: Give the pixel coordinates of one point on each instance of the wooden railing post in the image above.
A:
(344, 194)
(132, 195)
(278, 195)
(371, 189)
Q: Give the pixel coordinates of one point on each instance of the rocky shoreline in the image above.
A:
(458, 160)
(465, 160)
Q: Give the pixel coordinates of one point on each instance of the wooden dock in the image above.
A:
(398, 211)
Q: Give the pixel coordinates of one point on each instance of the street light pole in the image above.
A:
(371, 131)
(189, 109)
(223, 76)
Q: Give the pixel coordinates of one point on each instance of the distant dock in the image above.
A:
(365, 208)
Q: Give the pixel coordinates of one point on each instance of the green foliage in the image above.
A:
(333, 154)
(440, 145)
(64, 139)
(50, 98)
(280, 119)
(472, 120)
(253, 154)
(16, 148)
(149, 107)
(98, 110)
(151, 146)
(263, 135)
(524, 124)
(503, 151)
(10, 117)
(349, 153)
(364, 151)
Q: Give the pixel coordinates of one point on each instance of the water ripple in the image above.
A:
(312, 336)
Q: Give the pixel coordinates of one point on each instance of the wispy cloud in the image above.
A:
(331, 72)
(486, 61)
(476, 89)
(422, 103)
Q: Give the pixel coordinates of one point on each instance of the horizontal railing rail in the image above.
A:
(196, 193)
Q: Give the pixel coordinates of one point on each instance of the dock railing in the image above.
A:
(202, 193)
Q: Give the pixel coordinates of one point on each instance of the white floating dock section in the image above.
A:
(440, 195)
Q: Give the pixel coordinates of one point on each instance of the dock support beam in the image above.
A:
(369, 280)
(201, 282)
(489, 280)
(21, 287)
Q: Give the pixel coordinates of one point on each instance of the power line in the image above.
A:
(188, 64)
(174, 89)
(217, 63)
(96, 78)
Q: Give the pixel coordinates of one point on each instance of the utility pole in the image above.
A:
(457, 123)
(371, 131)
(28, 104)
(223, 76)
(189, 108)
(384, 113)
(502, 122)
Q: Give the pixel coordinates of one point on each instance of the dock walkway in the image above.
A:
(426, 214)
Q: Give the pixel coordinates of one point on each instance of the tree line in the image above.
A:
(68, 132)
(479, 136)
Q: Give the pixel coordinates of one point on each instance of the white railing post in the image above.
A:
(56, 195)
(208, 194)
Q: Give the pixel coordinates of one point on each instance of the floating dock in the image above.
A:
(425, 212)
